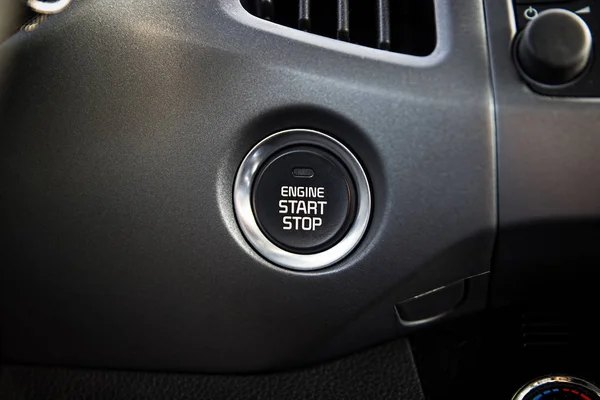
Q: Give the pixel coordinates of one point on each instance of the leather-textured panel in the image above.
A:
(384, 372)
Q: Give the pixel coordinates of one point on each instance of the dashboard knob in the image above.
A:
(558, 388)
(554, 48)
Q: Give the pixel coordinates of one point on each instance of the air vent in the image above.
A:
(400, 26)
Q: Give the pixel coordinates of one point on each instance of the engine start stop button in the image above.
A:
(304, 199)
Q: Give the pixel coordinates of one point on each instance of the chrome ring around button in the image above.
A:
(242, 199)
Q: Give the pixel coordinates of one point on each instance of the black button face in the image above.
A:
(304, 200)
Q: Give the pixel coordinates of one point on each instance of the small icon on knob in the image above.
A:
(530, 13)
(584, 10)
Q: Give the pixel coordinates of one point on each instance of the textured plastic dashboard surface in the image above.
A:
(382, 373)
(122, 130)
(549, 191)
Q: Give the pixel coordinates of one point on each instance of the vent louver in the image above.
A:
(401, 26)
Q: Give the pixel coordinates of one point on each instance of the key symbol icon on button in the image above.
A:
(530, 13)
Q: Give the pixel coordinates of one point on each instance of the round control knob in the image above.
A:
(554, 48)
(558, 388)
(304, 199)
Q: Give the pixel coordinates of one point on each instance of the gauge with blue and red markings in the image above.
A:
(558, 388)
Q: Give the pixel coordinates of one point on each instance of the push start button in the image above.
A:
(304, 200)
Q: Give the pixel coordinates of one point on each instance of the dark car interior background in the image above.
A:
(299, 199)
